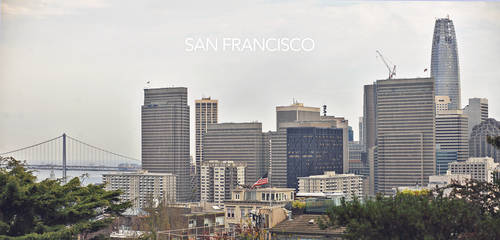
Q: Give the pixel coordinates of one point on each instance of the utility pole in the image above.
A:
(64, 157)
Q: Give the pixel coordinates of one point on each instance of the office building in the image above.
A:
(278, 158)
(313, 151)
(480, 169)
(406, 149)
(350, 133)
(142, 188)
(240, 143)
(451, 138)
(478, 145)
(357, 159)
(218, 178)
(444, 62)
(442, 103)
(295, 112)
(165, 135)
(206, 110)
(370, 116)
(350, 185)
(361, 135)
(477, 110)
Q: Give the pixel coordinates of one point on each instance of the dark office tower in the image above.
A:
(165, 135)
(369, 116)
(444, 62)
(206, 113)
(406, 149)
(478, 146)
(240, 143)
(312, 151)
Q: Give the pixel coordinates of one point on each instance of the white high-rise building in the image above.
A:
(348, 184)
(478, 168)
(141, 188)
(218, 178)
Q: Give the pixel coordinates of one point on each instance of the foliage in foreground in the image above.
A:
(50, 209)
(469, 212)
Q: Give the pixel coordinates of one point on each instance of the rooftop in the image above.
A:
(306, 224)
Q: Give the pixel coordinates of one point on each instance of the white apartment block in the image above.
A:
(478, 168)
(348, 184)
(141, 188)
(218, 178)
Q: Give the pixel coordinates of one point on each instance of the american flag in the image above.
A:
(262, 181)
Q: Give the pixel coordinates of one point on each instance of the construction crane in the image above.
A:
(392, 72)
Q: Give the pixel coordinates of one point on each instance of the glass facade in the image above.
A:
(444, 62)
(312, 151)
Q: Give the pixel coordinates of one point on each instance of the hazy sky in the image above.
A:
(80, 66)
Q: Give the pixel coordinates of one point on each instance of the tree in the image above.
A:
(415, 215)
(50, 209)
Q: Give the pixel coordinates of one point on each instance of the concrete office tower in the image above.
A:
(477, 110)
(478, 146)
(361, 134)
(206, 113)
(295, 112)
(442, 103)
(238, 142)
(480, 169)
(277, 158)
(406, 149)
(444, 62)
(313, 151)
(218, 178)
(452, 138)
(350, 185)
(356, 164)
(141, 187)
(369, 116)
(165, 135)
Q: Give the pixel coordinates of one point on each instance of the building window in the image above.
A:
(230, 212)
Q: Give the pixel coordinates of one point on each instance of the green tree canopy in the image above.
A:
(50, 209)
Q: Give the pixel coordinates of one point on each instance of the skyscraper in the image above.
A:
(477, 110)
(295, 112)
(406, 149)
(369, 116)
(444, 62)
(165, 135)
(206, 113)
(452, 139)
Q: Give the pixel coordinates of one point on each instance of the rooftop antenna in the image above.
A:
(324, 110)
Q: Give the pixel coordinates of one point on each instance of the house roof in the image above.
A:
(306, 224)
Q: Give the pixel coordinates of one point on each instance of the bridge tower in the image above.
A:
(64, 156)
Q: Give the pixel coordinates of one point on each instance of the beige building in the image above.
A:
(295, 112)
(442, 103)
(349, 185)
(478, 168)
(141, 188)
(218, 178)
(265, 204)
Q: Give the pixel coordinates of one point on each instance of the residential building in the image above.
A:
(295, 112)
(477, 110)
(142, 188)
(406, 149)
(240, 143)
(478, 144)
(480, 169)
(444, 62)
(350, 185)
(264, 204)
(313, 151)
(165, 135)
(206, 110)
(218, 178)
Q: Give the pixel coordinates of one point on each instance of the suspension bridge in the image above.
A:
(67, 153)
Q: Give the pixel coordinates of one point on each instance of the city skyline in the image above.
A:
(93, 89)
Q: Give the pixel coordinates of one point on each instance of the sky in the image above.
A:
(80, 66)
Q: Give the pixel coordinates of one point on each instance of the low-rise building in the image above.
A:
(141, 188)
(478, 168)
(264, 205)
(349, 185)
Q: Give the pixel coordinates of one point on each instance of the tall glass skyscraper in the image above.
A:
(444, 62)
